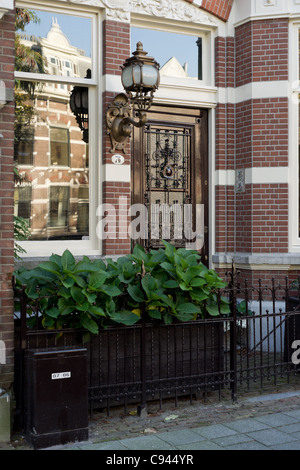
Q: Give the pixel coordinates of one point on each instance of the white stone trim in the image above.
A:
(253, 10)
(255, 175)
(5, 6)
(263, 175)
(116, 173)
(294, 239)
(254, 90)
(258, 261)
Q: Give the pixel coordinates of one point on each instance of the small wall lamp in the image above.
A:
(140, 79)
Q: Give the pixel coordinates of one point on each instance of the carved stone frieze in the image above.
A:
(172, 9)
(180, 10)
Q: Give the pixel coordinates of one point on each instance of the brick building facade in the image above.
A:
(250, 52)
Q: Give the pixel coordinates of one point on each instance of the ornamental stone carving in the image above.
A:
(180, 10)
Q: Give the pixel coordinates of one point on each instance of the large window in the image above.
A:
(53, 158)
(179, 55)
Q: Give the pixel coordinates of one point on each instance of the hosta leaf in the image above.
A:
(68, 282)
(77, 294)
(188, 308)
(53, 312)
(153, 313)
(112, 291)
(97, 280)
(67, 260)
(213, 309)
(96, 311)
(136, 293)
(67, 310)
(50, 266)
(125, 317)
(199, 296)
(89, 324)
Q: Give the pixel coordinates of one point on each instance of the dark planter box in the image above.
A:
(178, 359)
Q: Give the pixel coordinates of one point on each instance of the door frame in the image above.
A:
(197, 118)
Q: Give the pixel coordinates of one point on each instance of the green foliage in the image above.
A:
(167, 285)
(21, 232)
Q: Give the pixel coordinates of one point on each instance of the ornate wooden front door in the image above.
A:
(170, 178)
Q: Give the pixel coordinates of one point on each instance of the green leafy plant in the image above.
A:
(164, 285)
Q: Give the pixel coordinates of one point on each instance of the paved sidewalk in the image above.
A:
(265, 422)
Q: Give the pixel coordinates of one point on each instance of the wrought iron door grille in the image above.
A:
(167, 182)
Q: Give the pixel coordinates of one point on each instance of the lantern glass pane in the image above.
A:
(137, 75)
(127, 77)
(150, 75)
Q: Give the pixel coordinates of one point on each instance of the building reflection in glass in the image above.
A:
(52, 187)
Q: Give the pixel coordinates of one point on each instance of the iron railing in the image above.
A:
(252, 348)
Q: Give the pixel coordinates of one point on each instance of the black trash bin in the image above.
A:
(56, 401)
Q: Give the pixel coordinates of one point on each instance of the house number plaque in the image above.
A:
(61, 375)
(117, 159)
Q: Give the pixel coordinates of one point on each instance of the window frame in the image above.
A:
(88, 245)
(294, 137)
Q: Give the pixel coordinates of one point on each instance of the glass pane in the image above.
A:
(59, 146)
(52, 180)
(179, 55)
(59, 206)
(53, 42)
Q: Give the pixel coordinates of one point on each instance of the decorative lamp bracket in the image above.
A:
(140, 78)
(119, 121)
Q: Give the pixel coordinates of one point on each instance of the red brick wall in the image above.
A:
(270, 218)
(225, 136)
(252, 134)
(262, 132)
(262, 51)
(116, 49)
(7, 54)
(220, 8)
(261, 224)
(116, 46)
(225, 219)
(118, 195)
(224, 62)
(270, 132)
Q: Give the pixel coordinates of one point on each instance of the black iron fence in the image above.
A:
(255, 346)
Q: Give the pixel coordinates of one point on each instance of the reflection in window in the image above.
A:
(59, 146)
(53, 193)
(179, 55)
(23, 202)
(83, 209)
(59, 33)
(24, 146)
(59, 206)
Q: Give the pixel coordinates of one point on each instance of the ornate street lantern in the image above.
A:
(140, 78)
